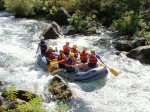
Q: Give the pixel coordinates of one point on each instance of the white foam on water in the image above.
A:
(129, 92)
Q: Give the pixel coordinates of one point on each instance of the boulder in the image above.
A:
(21, 94)
(69, 30)
(63, 15)
(53, 32)
(90, 31)
(1, 84)
(141, 53)
(59, 88)
(127, 45)
(13, 104)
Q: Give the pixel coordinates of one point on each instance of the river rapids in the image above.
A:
(129, 92)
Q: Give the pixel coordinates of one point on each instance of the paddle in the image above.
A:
(57, 70)
(52, 64)
(114, 72)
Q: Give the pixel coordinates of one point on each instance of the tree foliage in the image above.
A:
(129, 17)
(34, 105)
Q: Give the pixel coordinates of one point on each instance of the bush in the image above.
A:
(2, 5)
(127, 24)
(82, 21)
(21, 8)
(34, 105)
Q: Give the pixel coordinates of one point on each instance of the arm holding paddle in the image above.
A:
(113, 71)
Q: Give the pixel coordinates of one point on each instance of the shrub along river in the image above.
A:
(129, 92)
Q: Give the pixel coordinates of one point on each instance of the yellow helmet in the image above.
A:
(49, 48)
(61, 50)
(71, 55)
(92, 51)
(67, 42)
(74, 46)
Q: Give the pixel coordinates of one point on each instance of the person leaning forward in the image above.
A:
(71, 64)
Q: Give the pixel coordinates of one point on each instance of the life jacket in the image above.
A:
(75, 51)
(66, 49)
(70, 61)
(92, 60)
(50, 55)
(61, 57)
(43, 47)
(84, 57)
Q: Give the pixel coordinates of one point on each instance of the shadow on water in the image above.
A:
(94, 85)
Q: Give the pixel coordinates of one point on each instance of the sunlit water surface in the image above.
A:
(129, 92)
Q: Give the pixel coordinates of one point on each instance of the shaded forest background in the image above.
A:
(129, 17)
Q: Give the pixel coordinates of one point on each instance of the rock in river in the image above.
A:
(141, 53)
(60, 89)
(127, 45)
(21, 94)
(53, 32)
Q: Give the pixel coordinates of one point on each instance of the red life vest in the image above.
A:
(62, 58)
(93, 60)
(75, 51)
(66, 49)
(70, 61)
(50, 55)
(84, 57)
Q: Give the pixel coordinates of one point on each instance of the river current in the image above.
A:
(129, 92)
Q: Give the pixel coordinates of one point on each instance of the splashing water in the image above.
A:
(129, 92)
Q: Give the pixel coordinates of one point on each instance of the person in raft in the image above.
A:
(75, 51)
(49, 55)
(84, 55)
(61, 59)
(92, 62)
(71, 64)
(42, 46)
(67, 49)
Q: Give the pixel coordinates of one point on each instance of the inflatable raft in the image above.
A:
(93, 74)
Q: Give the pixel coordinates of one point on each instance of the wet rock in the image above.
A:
(1, 84)
(53, 32)
(21, 94)
(141, 53)
(13, 104)
(60, 89)
(127, 45)
(69, 30)
(90, 31)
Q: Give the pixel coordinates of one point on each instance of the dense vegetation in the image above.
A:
(129, 17)
(33, 105)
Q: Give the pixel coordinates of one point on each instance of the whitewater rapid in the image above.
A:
(129, 92)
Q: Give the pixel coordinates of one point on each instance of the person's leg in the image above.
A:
(83, 66)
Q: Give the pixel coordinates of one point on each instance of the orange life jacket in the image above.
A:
(50, 55)
(93, 60)
(84, 57)
(75, 51)
(70, 61)
(62, 58)
(66, 49)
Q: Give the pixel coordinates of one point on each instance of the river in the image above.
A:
(129, 92)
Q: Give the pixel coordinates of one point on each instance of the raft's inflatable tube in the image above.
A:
(91, 75)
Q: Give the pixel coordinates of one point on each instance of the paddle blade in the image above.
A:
(58, 70)
(114, 72)
(102, 64)
(49, 69)
(52, 64)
